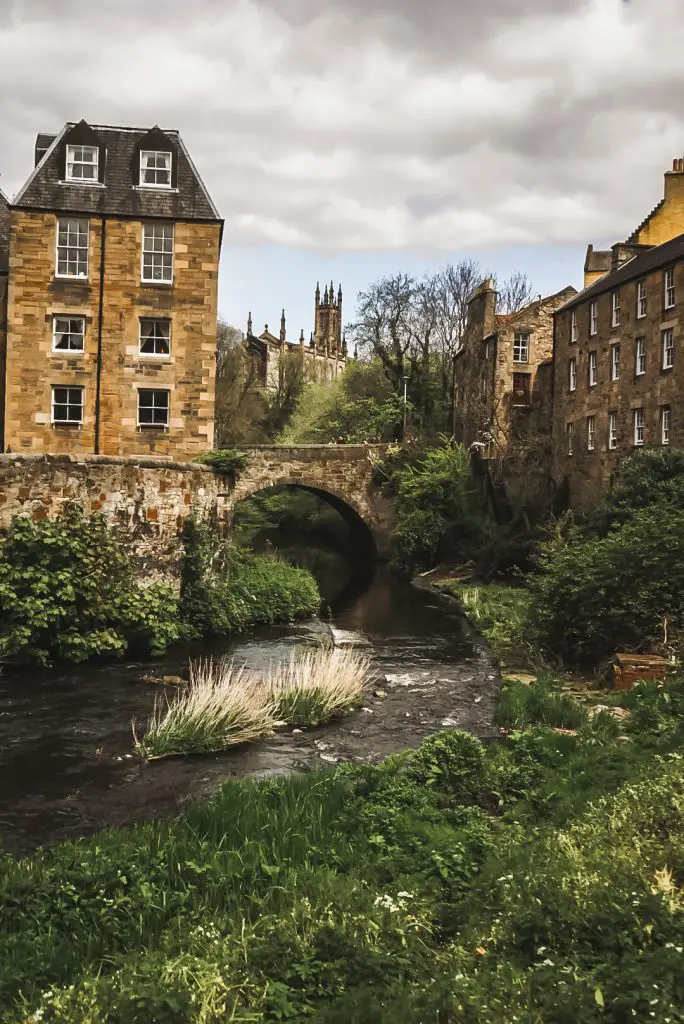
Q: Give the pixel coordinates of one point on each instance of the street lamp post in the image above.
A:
(403, 436)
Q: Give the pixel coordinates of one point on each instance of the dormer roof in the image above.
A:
(118, 192)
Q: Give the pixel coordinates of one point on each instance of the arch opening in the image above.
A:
(314, 528)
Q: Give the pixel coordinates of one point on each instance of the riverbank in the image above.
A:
(486, 884)
(66, 747)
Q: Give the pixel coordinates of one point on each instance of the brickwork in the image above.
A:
(36, 295)
(588, 472)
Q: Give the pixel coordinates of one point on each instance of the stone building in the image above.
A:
(4, 272)
(502, 391)
(618, 360)
(323, 357)
(111, 340)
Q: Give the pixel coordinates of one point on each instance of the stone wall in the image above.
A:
(149, 498)
(188, 373)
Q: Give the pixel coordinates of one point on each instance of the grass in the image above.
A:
(500, 614)
(543, 702)
(221, 707)
(318, 685)
(224, 706)
(539, 880)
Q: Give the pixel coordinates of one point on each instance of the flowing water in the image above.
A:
(66, 762)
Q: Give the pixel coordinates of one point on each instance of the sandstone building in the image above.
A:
(617, 366)
(4, 272)
(322, 358)
(111, 340)
(502, 371)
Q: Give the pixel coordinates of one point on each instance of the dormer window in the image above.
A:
(82, 163)
(155, 169)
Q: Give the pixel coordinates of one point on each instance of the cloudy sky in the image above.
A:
(354, 138)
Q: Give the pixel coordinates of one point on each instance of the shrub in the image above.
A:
(541, 703)
(317, 685)
(224, 460)
(592, 597)
(221, 707)
(452, 762)
(68, 591)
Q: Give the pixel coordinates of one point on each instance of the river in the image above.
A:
(66, 762)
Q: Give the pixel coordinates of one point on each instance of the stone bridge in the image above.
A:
(341, 474)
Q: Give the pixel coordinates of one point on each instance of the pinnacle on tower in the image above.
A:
(318, 291)
(325, 296)
(301, 337)
(282, 327)
(332, 294)
(249, 325)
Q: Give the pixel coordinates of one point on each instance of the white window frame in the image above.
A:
(593, 369)
(572, 374)
(144, 155)
(69, 333)
(612, 431)
(146, 424)
(640, 357)
(639, 420)
(669, 286)
(155, 337)
(72, 162)
(73, 226)
(573, 327)
(591, 433)
(593, 318)
(521, 345)
(641, 300)
(665, 424)
(68, 403)
(157, 253)
(667, 348)
(615, 322)
(615, 361)
(569, 434)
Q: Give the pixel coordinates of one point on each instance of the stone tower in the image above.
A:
(327, 338)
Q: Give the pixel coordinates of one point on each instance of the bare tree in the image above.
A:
(514, 294)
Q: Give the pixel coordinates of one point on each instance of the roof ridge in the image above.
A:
(632, 237)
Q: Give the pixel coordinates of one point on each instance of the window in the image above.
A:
(572, 374)
(638, 427)
(669, 288)
(615, 362)
(573, 326)
(521, 388)
(665, 424)
(640, 367)
(67, 333)
(593, 318)
(72, 247)
(641, 299)
(668, 348)
(153, 408)
(593, 369)
(612, 430)
(521, 348)
(591, 433)
(67, 406)
(155, 337)
(615, 322)
(82, 163)
(569, 432)
(155, 169)
(157, 257)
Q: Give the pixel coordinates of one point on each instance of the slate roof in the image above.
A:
(597, 261)
(44, 191)
(644, 263)
(4, 234)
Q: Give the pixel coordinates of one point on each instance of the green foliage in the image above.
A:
(594, 596)
(654, 476)
(358, 406)
(224, 460)
(373, 893)
(225, 589)
(438, 511)
(541, 703)
(68, 592)
(500, 613)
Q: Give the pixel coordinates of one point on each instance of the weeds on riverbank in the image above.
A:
(317, 685)
(224, 706)
(500, 613)
(538, 880)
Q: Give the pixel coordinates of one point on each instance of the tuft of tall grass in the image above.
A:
(318, 685)
(541, 703)
(221, 707)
